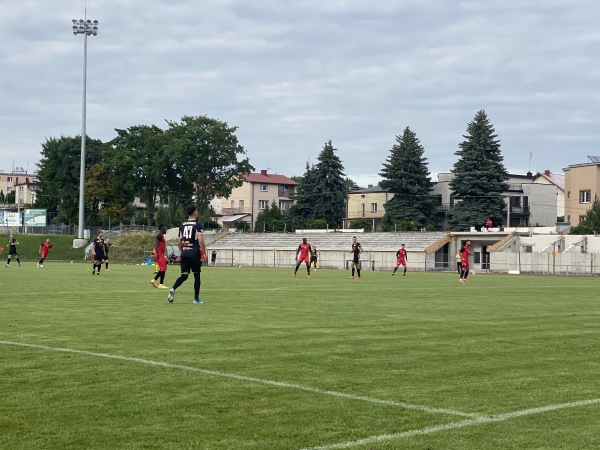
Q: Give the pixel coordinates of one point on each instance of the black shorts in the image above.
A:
(355, 260)
(12, 252)
(99, 258)
(193, 264)
(313, 259)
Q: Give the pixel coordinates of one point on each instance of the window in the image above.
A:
(373, 207)
(286, 188)
(241, 203)
(232, 204)
(263, 204)
(283, 206)
(569, 194)
(8, 178)
(585, 196)
(581, 219)
(9, 189)
(263, 187)
(362, 209)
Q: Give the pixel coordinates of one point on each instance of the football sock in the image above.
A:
(358, 272)
(8, 262)
(180, 280)
(353, 271)
(196, 284)
(107, 265)
(405, 270)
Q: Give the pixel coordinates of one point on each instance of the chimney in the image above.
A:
(547, 172)
(369, 185)
(263, 172)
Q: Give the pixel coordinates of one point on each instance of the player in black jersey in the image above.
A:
(193, 251)
(98, 252)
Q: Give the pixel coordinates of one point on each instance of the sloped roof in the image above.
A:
(557, 179)
(269, 178)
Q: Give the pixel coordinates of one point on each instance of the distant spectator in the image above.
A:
(489, 223)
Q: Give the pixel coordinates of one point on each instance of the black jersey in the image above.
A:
(12, 246)
(99, 246)
(189, 232)
(356, 248)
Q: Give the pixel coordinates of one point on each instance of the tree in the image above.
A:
(591, 223)
(330, 190)
(269, 219)
(406, 175)
(58, 174)
(304, 199)
(206, 153)
(479, 177)
(141, 156)
(106, 194)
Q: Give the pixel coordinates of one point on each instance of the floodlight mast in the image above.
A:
(87, 28)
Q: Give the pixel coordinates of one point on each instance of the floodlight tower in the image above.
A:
(87, 28)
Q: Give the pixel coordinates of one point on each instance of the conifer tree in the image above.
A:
(406, 175)
(330, 188)
(479, 177)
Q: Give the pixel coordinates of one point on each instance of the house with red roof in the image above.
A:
(257, 193)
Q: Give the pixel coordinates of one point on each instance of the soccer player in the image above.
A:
(98, 251)
(213, 258)
(193, 250)
(12, 251)
(304, 250)
(402, 258)
(160, 246)
(107, 246)
(465, 251)
(44, 249)
(314, 258)
(356, 252)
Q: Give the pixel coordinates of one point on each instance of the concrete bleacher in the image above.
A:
(593, 243)
(540, 243)
(414, 241)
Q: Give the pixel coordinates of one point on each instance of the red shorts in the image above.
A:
(400, 262)
(162, 264)
(303, 258)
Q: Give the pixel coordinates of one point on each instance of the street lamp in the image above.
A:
(87, 28)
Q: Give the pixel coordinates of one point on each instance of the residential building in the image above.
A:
(367, 204)
(557, 180)
(25, 193)
(582, 185)
(529, 203)
(18, 177)
(258, 192)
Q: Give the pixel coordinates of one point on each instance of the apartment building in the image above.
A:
(19, 182)
(582, 186)
(367, 204)
(257, 193)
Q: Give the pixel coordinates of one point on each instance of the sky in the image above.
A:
(292, 75)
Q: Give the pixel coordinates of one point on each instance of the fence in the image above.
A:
(546, 263)
(328, 259)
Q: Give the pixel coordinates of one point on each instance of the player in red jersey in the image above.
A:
(44, 249)
(401, 254)
(465, 251)
(160, 246)
(304, 251)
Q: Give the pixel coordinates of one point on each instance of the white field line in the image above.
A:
(454, 425)
(216, 373)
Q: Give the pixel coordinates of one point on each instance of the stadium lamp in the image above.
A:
(87, 28)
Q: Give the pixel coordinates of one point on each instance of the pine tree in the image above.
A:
(406, 175)
(479, 177)
(304, 199)
(330, 188)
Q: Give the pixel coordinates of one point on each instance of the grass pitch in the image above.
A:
(275, 362)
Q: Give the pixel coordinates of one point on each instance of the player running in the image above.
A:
(465, 251)
(44, 249)
(402, 257)
(193, 251)
(12, 251)
(160, 246)
(304, 251)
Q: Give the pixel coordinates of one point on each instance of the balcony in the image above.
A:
(524, 210)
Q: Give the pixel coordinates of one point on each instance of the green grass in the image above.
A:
(129, 248)
(273, 362)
